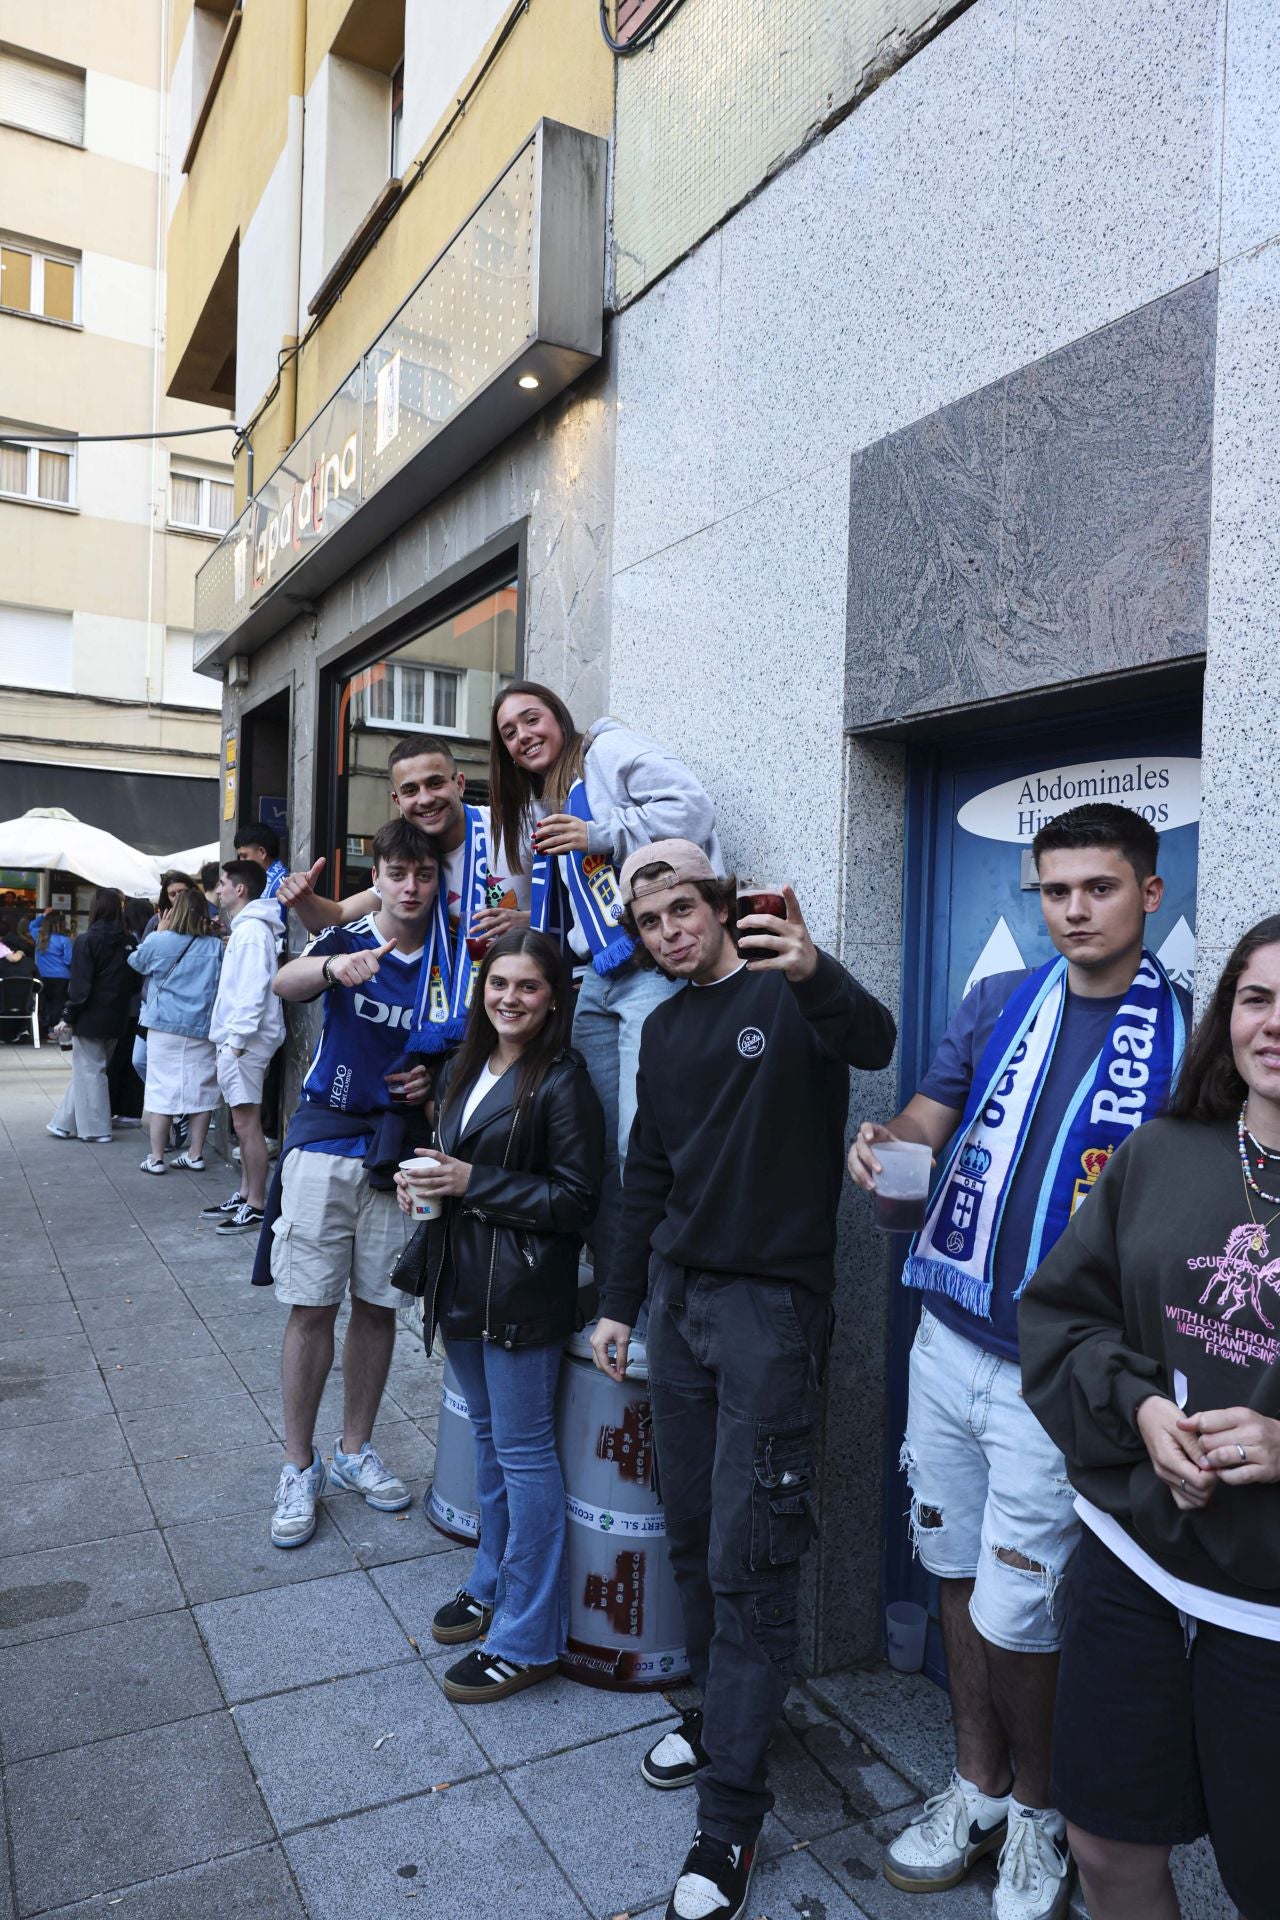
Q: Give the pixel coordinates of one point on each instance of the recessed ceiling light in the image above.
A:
(529, 381)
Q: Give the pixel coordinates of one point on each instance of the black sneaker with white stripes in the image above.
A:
(462, 1618)
(678, 1758)
(221, 1209)
(487, 1676)
(714, 1882)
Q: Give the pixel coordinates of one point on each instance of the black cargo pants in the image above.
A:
(735, 1364)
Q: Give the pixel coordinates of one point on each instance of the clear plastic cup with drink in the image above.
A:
(422, 1205)
(761, 896)
(902, 1185)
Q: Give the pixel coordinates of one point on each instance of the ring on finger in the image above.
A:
(1182, 1486)
(1241, 1451)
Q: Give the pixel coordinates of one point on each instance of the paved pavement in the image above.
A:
(196, 1726)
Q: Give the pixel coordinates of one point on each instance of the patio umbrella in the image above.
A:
(190, 860)
(49, 838)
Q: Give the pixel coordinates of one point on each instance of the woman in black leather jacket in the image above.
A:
(518, 1162)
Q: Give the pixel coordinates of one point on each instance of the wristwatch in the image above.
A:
(328, 977)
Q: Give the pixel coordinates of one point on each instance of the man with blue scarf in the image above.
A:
(1039, 1078)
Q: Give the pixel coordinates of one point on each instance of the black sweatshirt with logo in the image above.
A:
(737, 1153)
(1163, 1271)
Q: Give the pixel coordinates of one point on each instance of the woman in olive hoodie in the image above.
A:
(1151, 1354)
(97, 1011)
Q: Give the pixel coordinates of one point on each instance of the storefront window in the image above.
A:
(442, 681)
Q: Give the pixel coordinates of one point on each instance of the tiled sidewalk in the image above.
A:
(195, 1726)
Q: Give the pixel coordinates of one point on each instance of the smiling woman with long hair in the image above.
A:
(1150, 1354)
(517, 1164)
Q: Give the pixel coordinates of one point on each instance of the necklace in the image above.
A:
(1251, 1187)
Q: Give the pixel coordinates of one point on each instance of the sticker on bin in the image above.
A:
(455, 1403)
(452, 1519)
(641, 1526)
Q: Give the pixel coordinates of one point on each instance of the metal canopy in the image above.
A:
(517, 295)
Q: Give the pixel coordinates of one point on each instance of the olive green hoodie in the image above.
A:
(1162, 1271)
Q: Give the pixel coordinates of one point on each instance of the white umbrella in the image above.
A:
(49, 838)
(190, 860)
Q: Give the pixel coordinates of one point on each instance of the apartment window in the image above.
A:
(42, 95)
(199, 502)
(44, 474)
(34, 280)
(411, 696)
(35, 648)
(397, 120)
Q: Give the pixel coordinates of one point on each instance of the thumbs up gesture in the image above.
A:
(353, 969)
(300, 886)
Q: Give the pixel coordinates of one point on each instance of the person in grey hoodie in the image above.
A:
(574, 805)
(247, 1027)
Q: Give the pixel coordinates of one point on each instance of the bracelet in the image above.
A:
(328, 977)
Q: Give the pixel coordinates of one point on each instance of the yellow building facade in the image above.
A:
(100, 538)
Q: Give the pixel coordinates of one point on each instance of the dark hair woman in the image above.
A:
(576, 805)
(97, 1011)
(53, 964)
(1149, 1353)
(518, 1159)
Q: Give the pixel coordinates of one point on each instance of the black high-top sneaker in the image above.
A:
(714, 1881)
(676, 1759)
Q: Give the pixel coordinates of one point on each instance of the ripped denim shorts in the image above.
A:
(990, 1499)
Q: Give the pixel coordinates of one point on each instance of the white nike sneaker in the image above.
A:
(940, 1843)
(293, 1519)
(1034, 1881)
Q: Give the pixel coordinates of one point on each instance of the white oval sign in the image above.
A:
(1164, 789)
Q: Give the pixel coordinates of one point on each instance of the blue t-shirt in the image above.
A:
(364, 1033)
(1084, 1028)
(54, 961)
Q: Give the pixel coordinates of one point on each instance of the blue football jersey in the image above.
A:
(365, 1028)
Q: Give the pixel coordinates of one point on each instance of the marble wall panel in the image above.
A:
(1117, 142)
(1251, 137)
(1239, 849)
(1048, 528)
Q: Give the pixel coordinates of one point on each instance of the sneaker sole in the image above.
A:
(671, 1785)
(457, 1636)
(501, 1689)
(250, 1226)
(298, 1540)
(905, 1883)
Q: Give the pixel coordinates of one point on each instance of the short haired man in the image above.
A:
(733, 1178)
(261, 843)
(333, 1225)
(1043, 1074)
(478, 894)
(247, 1026)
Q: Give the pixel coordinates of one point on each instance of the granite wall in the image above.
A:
(1025, 299)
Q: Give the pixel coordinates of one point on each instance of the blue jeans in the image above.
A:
(606, 1030)
(520, 1568)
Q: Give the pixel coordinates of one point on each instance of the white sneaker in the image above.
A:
(366, 1473)
(940, 1843)
(294, 1519)
(1034, 1880)
(151, 1166)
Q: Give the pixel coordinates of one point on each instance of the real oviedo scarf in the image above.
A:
(954, 1251)
(448, 971)
(593, 890)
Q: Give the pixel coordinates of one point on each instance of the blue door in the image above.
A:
(972, 908)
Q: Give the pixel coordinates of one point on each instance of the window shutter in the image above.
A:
(46, 99)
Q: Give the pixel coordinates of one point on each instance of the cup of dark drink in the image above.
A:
(902, 1185)
(761, 897)
(478, 945)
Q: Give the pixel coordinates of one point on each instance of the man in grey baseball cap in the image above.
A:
(728, 1222)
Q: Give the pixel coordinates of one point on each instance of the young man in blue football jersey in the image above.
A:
(337, 1227)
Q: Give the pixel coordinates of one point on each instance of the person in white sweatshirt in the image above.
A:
(246, 1028)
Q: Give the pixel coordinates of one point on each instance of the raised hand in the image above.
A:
(353, 969)
(778, 946)
(560, 833)
(300, 886)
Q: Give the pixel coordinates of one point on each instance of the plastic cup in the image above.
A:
(423, 1206)
(902, 1185)
(478, 944)
(905, 1628)
(760, 897)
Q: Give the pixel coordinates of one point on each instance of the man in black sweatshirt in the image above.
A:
(729, 1222)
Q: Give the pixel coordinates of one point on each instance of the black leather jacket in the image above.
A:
(102, 983)
(502, 1262)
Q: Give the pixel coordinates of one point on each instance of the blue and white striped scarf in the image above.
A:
(448, 971)
(593, 891)
(1127, 1083)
